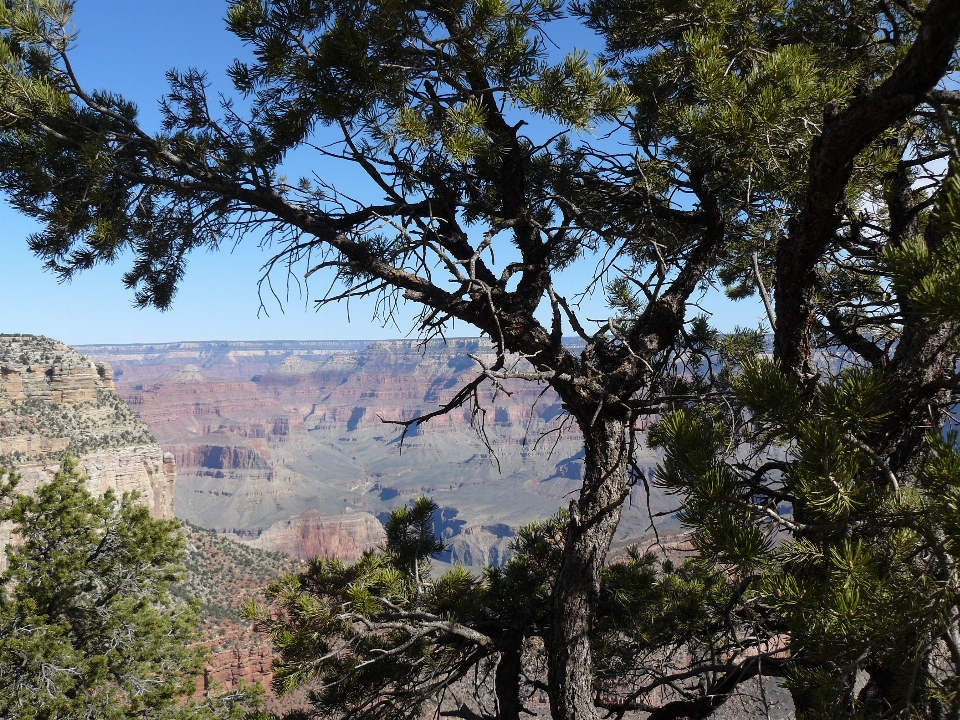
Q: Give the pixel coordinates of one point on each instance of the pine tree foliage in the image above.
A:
(856, 564)
(676, 641)
(378, 639)
(842, 520)
(929, 276)
(382, 638)
(87, 624)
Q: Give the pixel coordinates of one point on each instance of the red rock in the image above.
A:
(227, 668)
(311, 535)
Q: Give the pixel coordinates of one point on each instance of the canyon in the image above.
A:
(291, 446)
(223, 575)
(54, 400)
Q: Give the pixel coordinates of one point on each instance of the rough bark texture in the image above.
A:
(593, 521)
(921, 366)
(917, 393)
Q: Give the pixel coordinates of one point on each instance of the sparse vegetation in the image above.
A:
(222, 574)
(104, 422)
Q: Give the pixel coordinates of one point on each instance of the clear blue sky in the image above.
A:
(126, 46)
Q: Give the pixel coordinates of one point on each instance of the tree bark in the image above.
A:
(507, 680)
(593, 521)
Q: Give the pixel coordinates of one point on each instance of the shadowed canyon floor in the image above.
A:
(284, 445)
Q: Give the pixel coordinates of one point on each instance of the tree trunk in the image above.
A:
(593, 521)
(507, 680)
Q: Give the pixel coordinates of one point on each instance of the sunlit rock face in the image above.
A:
(310, 535)
(286, 444)
(53, 400)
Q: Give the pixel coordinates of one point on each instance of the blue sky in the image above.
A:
(126, 46)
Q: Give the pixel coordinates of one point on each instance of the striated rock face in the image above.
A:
(480, 545)
(54, 400)
(50, 373)
(219, 457)
(136, 468)
(311, 535)
(304, 431)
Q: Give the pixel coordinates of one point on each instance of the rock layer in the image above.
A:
(311, 535)
(144, 469)
(227, 669)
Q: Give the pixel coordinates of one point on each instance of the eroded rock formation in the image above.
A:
(224, 575)
(54, 400)
(310, 535)
(227, 669)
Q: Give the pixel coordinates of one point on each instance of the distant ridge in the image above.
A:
(328, 345)
(225, 359)
(246, 359)
(283, 446)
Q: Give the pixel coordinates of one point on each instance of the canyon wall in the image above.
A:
(228, 360)
(223, 576)
(54, 400)
(289, 447)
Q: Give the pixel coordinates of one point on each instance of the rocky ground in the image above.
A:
(224, 575)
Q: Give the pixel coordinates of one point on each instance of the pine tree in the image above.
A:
(381, 639)
(824, 498)
(87, 624)
(772, 147)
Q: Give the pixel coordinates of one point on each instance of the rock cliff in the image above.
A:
(310, 535)
(227, 669)
(54, 400)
